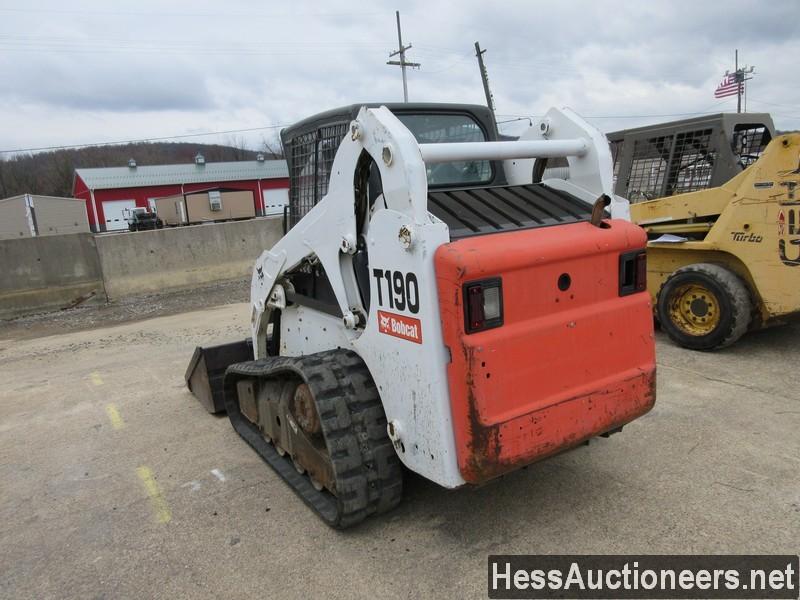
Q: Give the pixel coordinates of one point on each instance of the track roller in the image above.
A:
(318, 421)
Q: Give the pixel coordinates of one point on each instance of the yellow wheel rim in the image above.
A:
(694, 309)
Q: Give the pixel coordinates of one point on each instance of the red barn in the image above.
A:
(110, 192)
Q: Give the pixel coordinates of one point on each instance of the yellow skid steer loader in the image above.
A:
(725, 260)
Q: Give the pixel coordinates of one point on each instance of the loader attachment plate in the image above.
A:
(206, 370)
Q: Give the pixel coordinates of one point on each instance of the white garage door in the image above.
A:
(275, 200)
(114, 212)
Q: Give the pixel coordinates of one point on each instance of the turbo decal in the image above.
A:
(743, 236)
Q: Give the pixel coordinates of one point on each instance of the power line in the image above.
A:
(247, 15)
(106, 46)
(464, 58)
(515, 117)
(143, 140)
(686, 114)
(27, 40)
(528, 119)
(792, 106)
(150, 51)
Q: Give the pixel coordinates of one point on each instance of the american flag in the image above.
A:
(728, 86)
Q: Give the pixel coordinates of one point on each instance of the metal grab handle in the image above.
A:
(453, 151)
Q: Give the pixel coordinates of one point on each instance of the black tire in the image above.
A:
(734, 308)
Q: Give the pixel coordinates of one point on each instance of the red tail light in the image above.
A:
(632, 272)
(483, 305)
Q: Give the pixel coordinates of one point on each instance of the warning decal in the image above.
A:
(406, 328)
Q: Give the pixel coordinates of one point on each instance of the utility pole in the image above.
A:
(739, 81)
(484, 77)
(402, 62)
(741, 78)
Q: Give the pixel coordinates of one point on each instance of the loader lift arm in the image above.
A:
(329, 231)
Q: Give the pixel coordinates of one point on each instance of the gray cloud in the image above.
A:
(103, 73)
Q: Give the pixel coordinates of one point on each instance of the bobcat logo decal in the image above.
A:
(400, 326)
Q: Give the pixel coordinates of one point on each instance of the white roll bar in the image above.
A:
(453, 151)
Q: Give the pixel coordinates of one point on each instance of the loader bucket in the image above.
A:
(207, 368)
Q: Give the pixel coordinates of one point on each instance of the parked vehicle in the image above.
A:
(141, 219)
(430, 307)
(726, 260)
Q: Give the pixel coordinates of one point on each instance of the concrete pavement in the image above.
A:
(115, 483)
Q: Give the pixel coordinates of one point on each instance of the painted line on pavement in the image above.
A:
(113, 415)
(161, 509)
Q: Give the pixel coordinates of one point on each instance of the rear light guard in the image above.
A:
(483, 304)
(632, 272)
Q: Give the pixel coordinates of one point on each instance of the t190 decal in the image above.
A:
(397, 290)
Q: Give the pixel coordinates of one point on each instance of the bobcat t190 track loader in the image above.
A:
(430, 307)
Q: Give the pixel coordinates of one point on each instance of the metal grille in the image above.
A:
(477, 211)
(648, 168)
(330, 137)
(749, 142)
(301, 174)
(311, 158)
(692, 163)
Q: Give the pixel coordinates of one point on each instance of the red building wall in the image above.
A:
(141, 194)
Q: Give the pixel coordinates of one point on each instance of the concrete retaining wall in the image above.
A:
(184, 257)
(45, 273)
(39, 274)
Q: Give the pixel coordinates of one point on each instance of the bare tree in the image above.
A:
(3, 190)
(239, 146)
(272, 146)
(51, 173)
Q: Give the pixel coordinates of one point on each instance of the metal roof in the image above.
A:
(40, 197)
(143, 176)
(349, 112)
(728, 120)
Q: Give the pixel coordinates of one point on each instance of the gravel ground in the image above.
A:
(117, 484)
(134, 308)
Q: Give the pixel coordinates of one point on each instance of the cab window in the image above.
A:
(435, 129)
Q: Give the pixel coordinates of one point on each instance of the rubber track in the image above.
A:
(367, 472)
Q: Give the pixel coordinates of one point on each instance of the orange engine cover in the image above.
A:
(565, 365)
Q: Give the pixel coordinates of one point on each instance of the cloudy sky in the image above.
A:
(86, 72)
